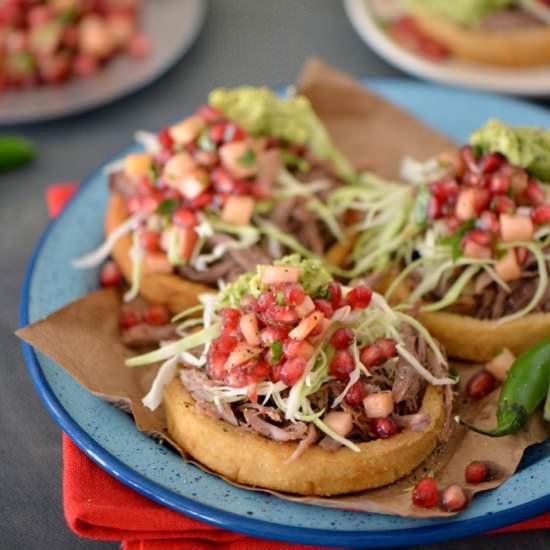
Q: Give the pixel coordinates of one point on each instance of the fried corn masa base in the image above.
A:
(251, 459)
(517, 47)
(169, 289)
(479, 340)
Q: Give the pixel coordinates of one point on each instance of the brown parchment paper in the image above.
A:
(83, 337)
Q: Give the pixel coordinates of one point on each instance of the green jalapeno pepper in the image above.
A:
(14, 151)
(523, 391)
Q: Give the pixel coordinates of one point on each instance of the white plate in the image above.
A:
(527, 82)
(171, 26)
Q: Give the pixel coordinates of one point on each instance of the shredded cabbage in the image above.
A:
(148, 140)
(136, 255)
(165, 374)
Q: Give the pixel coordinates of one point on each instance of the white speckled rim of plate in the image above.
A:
(110, 439)
(527, 82)
(171, 25)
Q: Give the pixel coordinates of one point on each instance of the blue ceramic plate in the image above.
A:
(110, 439)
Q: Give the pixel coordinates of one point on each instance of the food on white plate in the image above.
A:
(240, 182)
(51, 41)
(467, 241)
(495, 32)
(293, 382)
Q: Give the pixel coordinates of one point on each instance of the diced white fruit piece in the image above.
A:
(249, 327)
(378, 405)
(305, 308)
(340, 422)
(156, 262)
(94, 37)
(187, 130)
(177, 167)
(192, 184)
(306, 325)
(241, 354)
(501, 364)
(279, 274)
(121, 28)
(238, 209)
(507, 267)
(324, 324)
(239, 159)
(516, 228)
(474, 250)
(465, 205)
(137, 165)
(185, 237)
(269, 166)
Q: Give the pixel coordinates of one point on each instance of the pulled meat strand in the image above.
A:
(310, 438)
(289, 433)
(417, 422)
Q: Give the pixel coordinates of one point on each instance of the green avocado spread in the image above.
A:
(464, 12)
(262, 113)
(528, 147)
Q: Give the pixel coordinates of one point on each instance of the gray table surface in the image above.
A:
(243, 41)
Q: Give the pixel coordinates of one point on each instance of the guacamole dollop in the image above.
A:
(528, 147)
(263, 113)
(313, 276)
(464, 12)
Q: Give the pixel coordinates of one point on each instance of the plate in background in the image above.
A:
(527, 82)
(109, 437)
(171, 26)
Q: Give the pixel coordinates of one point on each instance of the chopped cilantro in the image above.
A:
(167, 207)
(276, 351)
(248, 158)
(280, 298)
(205, 143)
(324, 293)
(154, 172)
(290, 159)
(423, 197)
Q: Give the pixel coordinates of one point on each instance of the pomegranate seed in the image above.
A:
(383, 428)
(150, 203)
(355, 394)
(165, 139)
(503, 205)
(185, 217)
(341, 338)
(265, 301)
(222, 181)
(282, 315)
(482, 198)
(260, 371)
(452, 223)
(488, 221)
(445, 189)
(387, 347)
(476, 472)
(480, 385)
(522, 254)
(128, 318)
(149, 240)
(201, 201)
(227, 342)
(156, 314)
(499, 183)
(519, 179)
(294, 294)
(233, 133)
(38, 15)
(268, 335)
(216, 362)
(85, 65)
(110, 274)
(210, 114)
(342, 364)
(359, 297)
(534, 193)
(324, 306)
(473, 179)
(335, 291)
(468, 157)
(371, 355)
(133, 205)
(217, 132)
(453, 498)
(425, 493)
(435, 210)
(298, 348)
(541, 214)
(230, 318)
(479, 236)
(490, 162)
(292, 370)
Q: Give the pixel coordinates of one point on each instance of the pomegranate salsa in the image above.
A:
(291, 354)
(50, 41)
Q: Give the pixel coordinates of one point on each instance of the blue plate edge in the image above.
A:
(220, 518)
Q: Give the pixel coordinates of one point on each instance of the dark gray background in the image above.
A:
(243, 41)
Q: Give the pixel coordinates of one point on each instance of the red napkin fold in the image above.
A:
(100, 507)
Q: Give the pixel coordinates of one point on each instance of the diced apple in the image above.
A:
(474, 250)
(137, 165)
(507, 267)
(305, 308)
(320, 332)
(94, 37)
(193, 183)
(238, 209)
(465, 209)
(516, 227)
(339, 421)
(280, 274)
(241, 354)
(305, 326)
(121, 28)
(269, 166)
(239, 159)
(249, 327)
(378, 405)
(156, 262)
(177, 167)
(501, 364)
(187, 130)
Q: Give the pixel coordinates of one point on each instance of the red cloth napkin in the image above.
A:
(100, 507)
